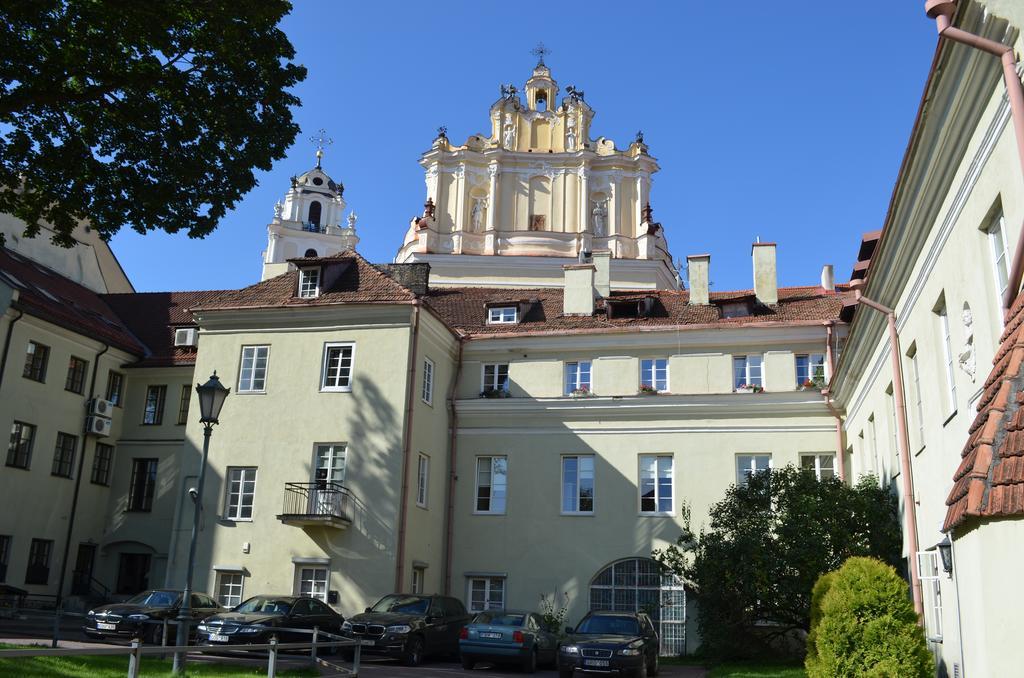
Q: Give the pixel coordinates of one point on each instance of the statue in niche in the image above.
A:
(509, 136)
(477, 214)
(967, 357)
(599, 213)
(570, 133)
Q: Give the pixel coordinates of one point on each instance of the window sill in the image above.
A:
(60, 475)
(236, 520)
(343, 389)
(949, 418)
(488, 513)
(93, 482)
(585, 514)
(656, 514)
(20, 468)
(151, 423)
(263, 392)
(422, 506)
(38, 381)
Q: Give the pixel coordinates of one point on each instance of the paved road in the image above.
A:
(383, 668)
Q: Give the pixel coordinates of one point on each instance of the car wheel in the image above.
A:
(652, 668)
(468, 663)
(530, 663)
(413, 652)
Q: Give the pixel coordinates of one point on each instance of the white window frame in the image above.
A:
(490, 585)
(417, 579)
(593, 483)
(495, 381)
(427, 393)
(251, 377)
(301, 578)
(918, 398)
(422, 479)
(657, 484)
(225, 600)
(233, 510)
(503, 315)
(574, 371)
(328, 347)
(742, 481)
(334, 451)
(309, 283)
(491, 508)
(876, 460)
(929, 572)
(818, 456)
(748, 372)
(652, 370)
(996, 231)
(814, 360)
(947, 355)
(890, 415)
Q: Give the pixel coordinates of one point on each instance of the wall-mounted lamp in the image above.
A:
(945, 548)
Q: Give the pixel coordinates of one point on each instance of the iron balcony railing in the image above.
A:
(317, 501)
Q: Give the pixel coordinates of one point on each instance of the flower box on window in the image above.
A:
(750, 388)
(647, 389)
(582, 392)
(494, 393)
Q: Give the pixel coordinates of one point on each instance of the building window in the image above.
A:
(749, 464)
(928, 571)
(810, 370)
(5, 555)
(503, 315)
(38, 571)
(997, 241)
(422, 480)
(115, 388)
(638, 585)
(876, 461)
(655, 483)
(491, 484)
(36, 357)
(313, 582)
(577, 377)
(153, 415)
(314, 212)
(64, 455)
(417, 579)
(229, 588)
(337, 367)
(76, 375)
(309, 283)
(654, 374)
(918, 397)
(747, 372)
(102, 461)
(428, 381)
(186, 396)
(891, 422)
(822, 465)
(252, 375)
(947, 356)
(486, 593)
(142, 485)
(241, 491)
(19, 450)
(496, 378)
(330, 463)
(578, 484)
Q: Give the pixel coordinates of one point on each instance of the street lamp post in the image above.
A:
(211, 399)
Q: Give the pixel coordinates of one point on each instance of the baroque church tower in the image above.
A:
(540, 193)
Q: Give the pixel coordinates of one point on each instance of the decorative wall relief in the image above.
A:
(967, 358)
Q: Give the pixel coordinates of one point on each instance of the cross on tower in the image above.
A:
(539, 51)
(321, 141)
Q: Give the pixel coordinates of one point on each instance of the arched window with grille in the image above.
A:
(638, 585)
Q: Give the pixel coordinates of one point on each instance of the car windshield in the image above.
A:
(155, 599)
(402, 605)
(500, 618)
(617, 626)
(264, 606)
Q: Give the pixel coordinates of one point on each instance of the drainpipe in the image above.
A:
(7, 345)
(942, 11)
(831, 362)
(410, 396)
(902, 439)
(74, 497)
(453, 418)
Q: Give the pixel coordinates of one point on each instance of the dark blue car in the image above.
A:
(507, 637)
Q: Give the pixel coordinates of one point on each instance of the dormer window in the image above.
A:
(309, 283)
(503, 315)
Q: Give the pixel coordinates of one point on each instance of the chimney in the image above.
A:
(602, 272)
(828, 278)
(578, 292)
(766, 286)
(698, 269)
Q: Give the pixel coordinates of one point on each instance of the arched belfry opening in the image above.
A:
(311, 253)
(314, 212)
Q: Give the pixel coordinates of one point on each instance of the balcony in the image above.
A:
(321, 503)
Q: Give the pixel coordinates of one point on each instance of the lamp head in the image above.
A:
(211, 399)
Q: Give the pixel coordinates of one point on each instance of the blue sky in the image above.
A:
(785, 121)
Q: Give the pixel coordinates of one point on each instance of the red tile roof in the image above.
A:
(48, 295)
(989, 482)
(153, 317)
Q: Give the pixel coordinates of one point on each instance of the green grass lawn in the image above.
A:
(757, 670)
(117, 667)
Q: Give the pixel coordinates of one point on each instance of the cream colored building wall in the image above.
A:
(276, 432)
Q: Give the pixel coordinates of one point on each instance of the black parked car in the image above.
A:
(142, 615)
(409, 627)
(620, 643)
(260, 617)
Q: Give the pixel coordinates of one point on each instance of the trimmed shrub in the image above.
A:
(821, 587)
(868, 626)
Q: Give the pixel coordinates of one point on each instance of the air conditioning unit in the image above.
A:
(98, 426)
(186, 336)
(101, 408)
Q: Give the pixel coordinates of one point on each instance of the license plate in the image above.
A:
(367, 642)
(487, 634)
(595, 662)
(105, 627)
(218, 638)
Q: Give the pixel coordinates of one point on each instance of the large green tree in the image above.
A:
(151, 115)
(754, 565)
